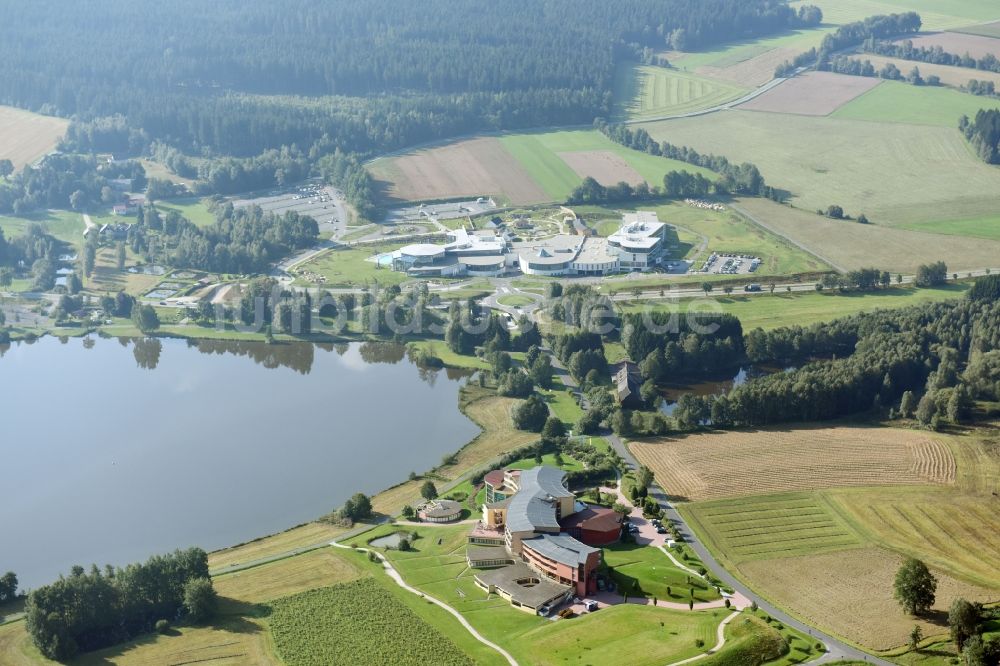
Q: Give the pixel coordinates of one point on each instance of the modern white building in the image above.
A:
(639, 242)
(638, 245)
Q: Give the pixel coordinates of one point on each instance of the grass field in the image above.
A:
(894, 173)
(991, 29)
(351, 267)
(643, 91)
(778, 309)
(769, 526)
(987, 227)
(645, 571)
(774, 460)
(356, 623)
(62, 225)
(628, 634)
(852, 246)
(812, 94)
(193, 208)
(317, 568)
(936, 14)
(538, 155)
(515, 300)
(297, 537)
(562, 403)
(26, 136)
(732, 54)
(898, 102)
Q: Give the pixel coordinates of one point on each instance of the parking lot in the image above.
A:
(320, 202)
(730, 264)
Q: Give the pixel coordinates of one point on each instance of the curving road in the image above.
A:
(836, 650)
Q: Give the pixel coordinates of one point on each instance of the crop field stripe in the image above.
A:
(736, 535)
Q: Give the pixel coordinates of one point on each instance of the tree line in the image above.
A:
(87, 611)
(742, 178)
(905, 50)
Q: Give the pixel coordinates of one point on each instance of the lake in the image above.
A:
(116, 449)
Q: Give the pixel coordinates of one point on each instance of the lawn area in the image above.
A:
(644, 91)
(561, 402)
(61, 224)
(892, 172)
(515, 300)
(769, 311)
(194, 209)
(539, 155)
(440, 349)
(351, 267)
(642, 570)
(356, 623)
(751, 639)
(626, 634)
(898, 102)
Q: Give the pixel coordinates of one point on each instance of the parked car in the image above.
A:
(661, 530)
(590, 605)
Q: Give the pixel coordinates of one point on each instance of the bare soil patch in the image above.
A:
(753, 72)
(849, 592)
(812, 94)
(26, 136)
(735, 464)
(604, 166)
(475, 167)
(976, 46)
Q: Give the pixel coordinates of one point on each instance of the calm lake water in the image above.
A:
(113, 450)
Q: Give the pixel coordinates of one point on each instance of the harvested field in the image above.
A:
(753, 72)
(851, 246)
(26, 136)
(604, 166)
(736, 464)
(952, 531)
(467, 168)
(849, 592)
(960, 43)
(772, 526)
(950, 76)
(318, 568)
(812, 94)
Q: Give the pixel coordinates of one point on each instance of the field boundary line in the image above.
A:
(794, 242)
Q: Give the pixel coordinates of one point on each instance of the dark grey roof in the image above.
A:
(562, 548)
(480, 553)
(542, 589)
(533, 506)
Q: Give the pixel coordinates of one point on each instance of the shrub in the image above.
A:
(699, 643)
(200, 599)
(162, 626)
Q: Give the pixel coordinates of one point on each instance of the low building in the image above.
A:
(627, 382)
(594, 525)
(640, 242)
(523, 587)
(488, 557)
(440, 511)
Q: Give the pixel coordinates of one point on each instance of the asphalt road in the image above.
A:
(836, 649)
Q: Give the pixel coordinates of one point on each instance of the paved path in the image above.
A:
(720, 634)
(835, 649)
(391, 571)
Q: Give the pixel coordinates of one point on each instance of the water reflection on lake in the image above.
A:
(115, 449)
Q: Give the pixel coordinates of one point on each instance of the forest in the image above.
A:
(90, 610)
(234, 78)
